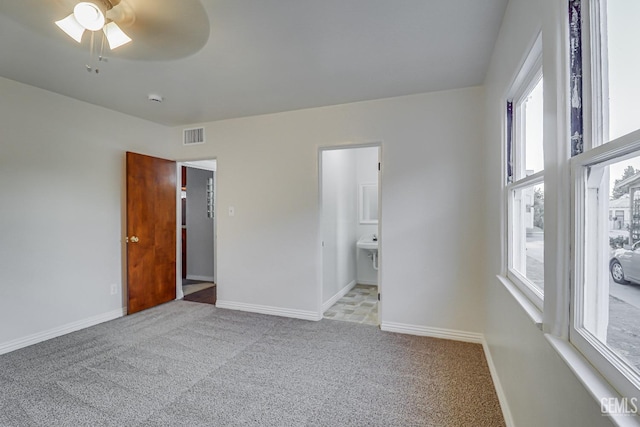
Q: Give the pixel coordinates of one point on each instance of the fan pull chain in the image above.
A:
(89, 68)
(101, 56)
(92, 50)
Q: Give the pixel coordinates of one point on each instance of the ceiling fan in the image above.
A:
(97, 15)
(160, 30)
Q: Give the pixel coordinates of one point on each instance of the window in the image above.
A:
(525, 186)
(618, 217)
(606, 188)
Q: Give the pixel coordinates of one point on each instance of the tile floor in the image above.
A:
(190, 286)
(196, 287)
(360, 305)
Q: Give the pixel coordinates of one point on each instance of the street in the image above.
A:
(629, 293)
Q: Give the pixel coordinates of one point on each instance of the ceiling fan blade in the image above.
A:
(72, 27)
(115, 36)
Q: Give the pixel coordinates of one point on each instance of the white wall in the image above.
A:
(268, 253)
(540, 387)
(61, 215)
(339, 219)
(199, 226)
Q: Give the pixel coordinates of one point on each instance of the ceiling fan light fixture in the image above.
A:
(72, 27)
(115, 36)
(92, 16)
(89, 15)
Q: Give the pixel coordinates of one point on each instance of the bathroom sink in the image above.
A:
(370, 244)
(367, 242)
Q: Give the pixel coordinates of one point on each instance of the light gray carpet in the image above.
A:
(190, 364)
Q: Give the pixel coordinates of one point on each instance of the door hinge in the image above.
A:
(378, 166)
(378, 296)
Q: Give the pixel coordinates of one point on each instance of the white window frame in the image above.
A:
(624, 378)
(525, 81)
(584, 190)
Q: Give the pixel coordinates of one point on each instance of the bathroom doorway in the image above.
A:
(197, 231)
(350, 230)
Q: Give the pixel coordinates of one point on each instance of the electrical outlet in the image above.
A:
(114, 289)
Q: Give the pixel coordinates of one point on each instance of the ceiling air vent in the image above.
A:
(193, 136)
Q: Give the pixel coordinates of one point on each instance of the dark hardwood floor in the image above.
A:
(206, 296)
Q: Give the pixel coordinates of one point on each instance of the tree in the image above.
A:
(629, 171)
(538, 208)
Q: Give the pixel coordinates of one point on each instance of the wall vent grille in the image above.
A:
(193, 136)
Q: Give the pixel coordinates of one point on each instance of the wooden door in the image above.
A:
(151, 231)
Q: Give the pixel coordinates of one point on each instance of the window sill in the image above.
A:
(591, 379)
(529, 307)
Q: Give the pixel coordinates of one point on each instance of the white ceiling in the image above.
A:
(261, 56)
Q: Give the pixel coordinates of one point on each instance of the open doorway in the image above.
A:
(198, 231)
(350, 233)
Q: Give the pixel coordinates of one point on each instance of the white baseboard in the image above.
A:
(368, 282)
(342, 292)
(203, 278)
(502, 397)
(274, 311)
(425, 331)
(61, 330)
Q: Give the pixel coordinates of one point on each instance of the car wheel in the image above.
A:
(617, 272)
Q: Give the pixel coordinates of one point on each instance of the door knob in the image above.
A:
(133, 239)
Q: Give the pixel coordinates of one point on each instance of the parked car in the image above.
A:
(625, 264)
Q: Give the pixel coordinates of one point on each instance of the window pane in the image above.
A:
(533, 113)
(528, 233)
(623, 33)
(611, 290)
